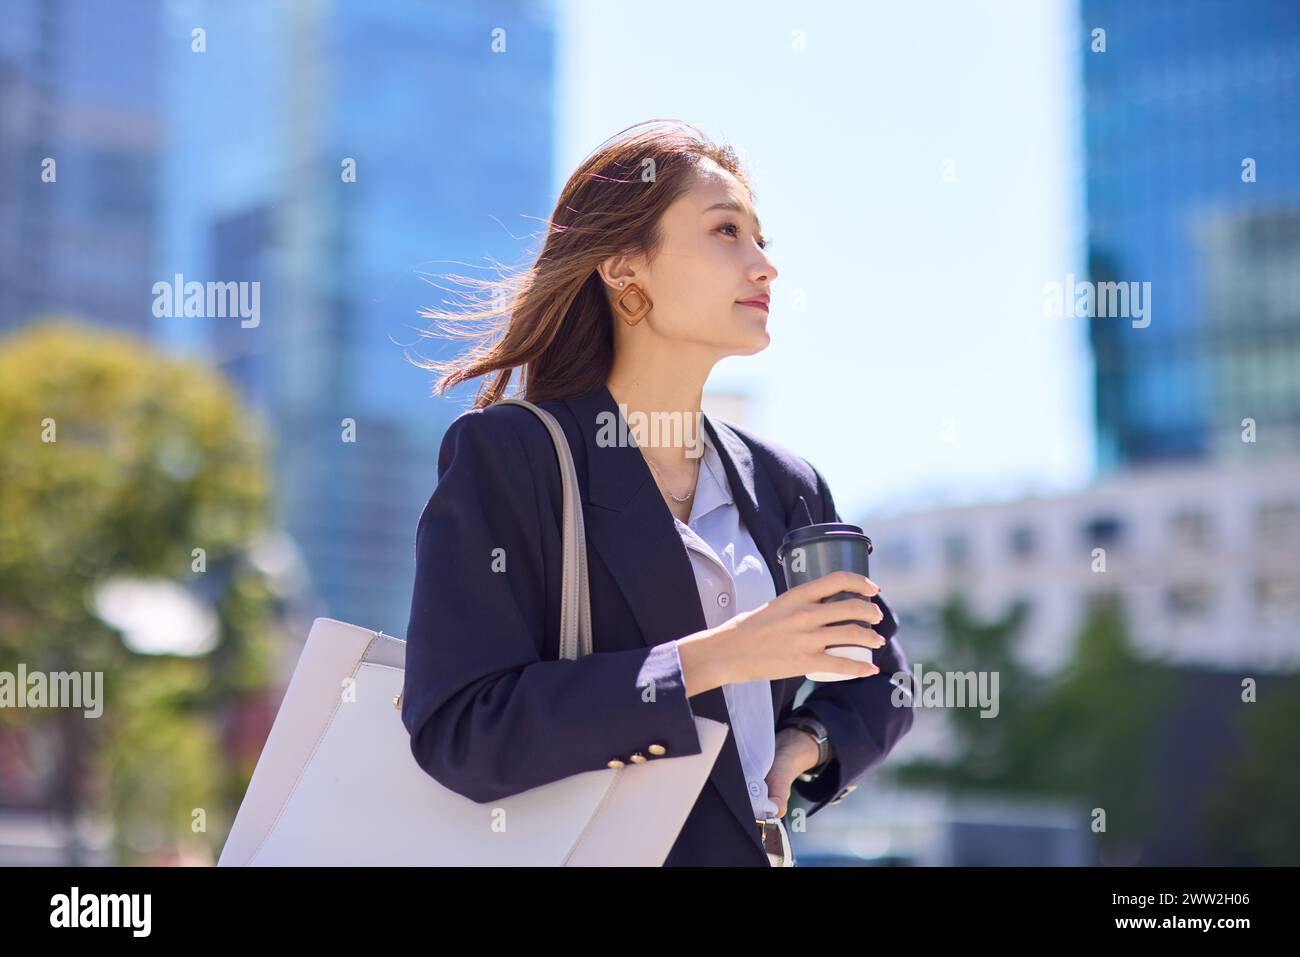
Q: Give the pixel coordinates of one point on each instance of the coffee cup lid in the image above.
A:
(808, 533)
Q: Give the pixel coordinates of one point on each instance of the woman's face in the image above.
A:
(711, 258)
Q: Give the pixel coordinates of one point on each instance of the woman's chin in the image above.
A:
(756, 340)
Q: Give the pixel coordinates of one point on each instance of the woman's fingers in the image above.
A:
(819, 639)
(845, 609)
(848, 635)
(844, 666)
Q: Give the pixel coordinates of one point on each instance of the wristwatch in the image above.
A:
(804, 721)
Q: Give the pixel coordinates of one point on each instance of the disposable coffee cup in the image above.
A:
(813, 551)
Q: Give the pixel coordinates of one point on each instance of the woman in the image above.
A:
(654, 268)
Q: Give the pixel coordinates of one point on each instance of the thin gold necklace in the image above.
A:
(680, 500)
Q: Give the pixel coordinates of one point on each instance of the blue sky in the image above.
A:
(930, 371)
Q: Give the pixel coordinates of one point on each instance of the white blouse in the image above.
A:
(732, 577)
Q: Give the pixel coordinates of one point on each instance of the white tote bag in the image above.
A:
(336, 783)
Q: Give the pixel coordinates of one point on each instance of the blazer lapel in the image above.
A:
(628, 523)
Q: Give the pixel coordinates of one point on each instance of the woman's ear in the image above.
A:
(620, 268)
(611, 270)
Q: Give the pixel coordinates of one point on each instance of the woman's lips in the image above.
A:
(755, 303)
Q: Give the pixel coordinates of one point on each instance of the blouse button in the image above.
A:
(638, 758)
(615, 763)
(657, 749)
(724, 599)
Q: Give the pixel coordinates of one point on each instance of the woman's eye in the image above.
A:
(762, 243)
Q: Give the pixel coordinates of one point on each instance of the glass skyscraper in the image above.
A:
(1193, 185)
(335, 153)
(79, 91)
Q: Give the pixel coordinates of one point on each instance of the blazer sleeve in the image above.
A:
(864, 717)
(488, 717)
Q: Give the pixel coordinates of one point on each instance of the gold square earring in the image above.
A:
(632, 304)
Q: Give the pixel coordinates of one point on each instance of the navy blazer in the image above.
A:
(491, 711)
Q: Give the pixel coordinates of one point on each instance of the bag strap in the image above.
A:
(575, 591)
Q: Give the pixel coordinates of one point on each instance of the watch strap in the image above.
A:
(806, 722)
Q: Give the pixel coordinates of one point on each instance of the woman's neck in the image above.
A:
(668, 412)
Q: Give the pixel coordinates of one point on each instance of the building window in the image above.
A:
(1190, 528)
(1277, 598)
(956, 551)
(1277, 523)
(1023, 542)
(1187, 601)
(898, 555)
(1105, 531)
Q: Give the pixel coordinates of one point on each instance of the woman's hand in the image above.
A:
(796, 752)
(787, 636)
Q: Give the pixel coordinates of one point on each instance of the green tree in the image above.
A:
(117, 462)
(1253, 814)
(1087, 733)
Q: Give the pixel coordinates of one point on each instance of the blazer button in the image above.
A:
(616, 763)
(657, 749)
(847, 791)
(638, 758)
(724, 599)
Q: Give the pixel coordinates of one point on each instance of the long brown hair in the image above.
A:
(553, 320)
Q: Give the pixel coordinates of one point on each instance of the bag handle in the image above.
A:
(575, 592)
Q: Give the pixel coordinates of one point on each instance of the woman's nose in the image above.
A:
(763, 269)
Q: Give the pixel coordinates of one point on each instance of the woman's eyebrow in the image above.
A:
(738, 208)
